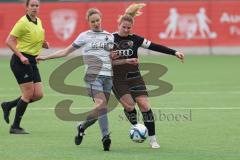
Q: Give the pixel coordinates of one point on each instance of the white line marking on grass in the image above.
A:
(206, 92)
(174, 92)
(159, 108)
(202, 108)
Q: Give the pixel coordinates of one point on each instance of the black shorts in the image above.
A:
(25, 73)
(132, 84)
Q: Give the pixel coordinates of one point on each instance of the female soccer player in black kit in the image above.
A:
(128, 84)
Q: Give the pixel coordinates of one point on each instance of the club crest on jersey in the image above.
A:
(130, 43)
(64, 23)
(106, 38)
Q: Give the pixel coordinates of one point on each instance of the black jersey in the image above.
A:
(126, 47)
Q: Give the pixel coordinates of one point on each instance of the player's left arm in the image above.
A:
(163, 49)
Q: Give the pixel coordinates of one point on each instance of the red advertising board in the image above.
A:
(177, 23)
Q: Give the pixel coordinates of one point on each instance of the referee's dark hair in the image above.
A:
(27, 2)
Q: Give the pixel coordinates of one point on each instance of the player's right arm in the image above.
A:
(58, 54)
(133, 61)
(11, 41)
(79, 42)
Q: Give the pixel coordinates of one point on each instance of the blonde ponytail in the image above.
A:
(132, 11)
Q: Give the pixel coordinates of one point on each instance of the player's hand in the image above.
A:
(114, 55)
(180, 56)
(133, 61)
(45, 45)
(40, 58)
(24, 60)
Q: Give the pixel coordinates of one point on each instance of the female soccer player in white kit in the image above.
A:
(95, 44)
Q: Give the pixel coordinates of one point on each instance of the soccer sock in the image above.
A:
(89, 121)
(21, 108)
(31, 101)
(103, 122)
(13, 103)
(148, 120)
(131, 116)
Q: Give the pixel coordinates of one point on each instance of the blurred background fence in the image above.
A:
(196, 27)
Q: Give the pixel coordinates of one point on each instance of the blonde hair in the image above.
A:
(92, 11)
(132, 11)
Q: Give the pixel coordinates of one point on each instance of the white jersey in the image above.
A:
(95, 51)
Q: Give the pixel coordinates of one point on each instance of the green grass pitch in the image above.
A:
(205, 98)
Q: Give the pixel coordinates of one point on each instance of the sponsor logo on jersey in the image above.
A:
(124, 52)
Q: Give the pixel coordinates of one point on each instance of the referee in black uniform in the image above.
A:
(26, 41)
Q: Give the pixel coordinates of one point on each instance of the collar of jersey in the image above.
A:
(30, 20)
